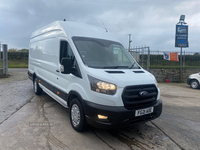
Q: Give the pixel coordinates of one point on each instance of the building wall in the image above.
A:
(172, 74)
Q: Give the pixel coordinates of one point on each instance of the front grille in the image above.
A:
(132, 99)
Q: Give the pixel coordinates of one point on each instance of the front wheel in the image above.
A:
(36, 87)
(194, 84)
(77, 116)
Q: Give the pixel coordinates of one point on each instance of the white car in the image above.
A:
(194, 80)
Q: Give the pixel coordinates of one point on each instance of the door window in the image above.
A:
(66, 51)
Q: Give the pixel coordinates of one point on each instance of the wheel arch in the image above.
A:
(194, 79)
(72, 95)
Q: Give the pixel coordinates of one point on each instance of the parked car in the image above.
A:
(194, 80)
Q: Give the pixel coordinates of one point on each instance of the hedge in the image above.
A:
(17, 56)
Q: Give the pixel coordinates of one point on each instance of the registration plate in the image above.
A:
(142, 112)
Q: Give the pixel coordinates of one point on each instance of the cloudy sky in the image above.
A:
(151, 22)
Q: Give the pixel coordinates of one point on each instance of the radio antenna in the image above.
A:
(104, 25)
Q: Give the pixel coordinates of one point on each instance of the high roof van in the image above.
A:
(86, 69)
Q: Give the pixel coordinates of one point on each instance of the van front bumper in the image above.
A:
(118, 117)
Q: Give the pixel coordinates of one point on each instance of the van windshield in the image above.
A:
(98, 53)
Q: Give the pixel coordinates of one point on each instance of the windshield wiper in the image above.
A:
(114, 67)
(95, 67)
(133, 65)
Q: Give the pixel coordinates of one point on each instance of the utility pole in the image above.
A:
(129, 42)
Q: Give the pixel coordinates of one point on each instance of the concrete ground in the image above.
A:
(180, 119)
(38, 122)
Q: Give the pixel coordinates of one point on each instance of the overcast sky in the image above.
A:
(151, 22)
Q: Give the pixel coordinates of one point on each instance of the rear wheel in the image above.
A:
(77, 116)
(194, 84)
(36, 87)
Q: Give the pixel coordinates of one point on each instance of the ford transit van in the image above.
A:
(86, 69)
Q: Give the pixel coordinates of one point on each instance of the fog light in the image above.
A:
(102, 117)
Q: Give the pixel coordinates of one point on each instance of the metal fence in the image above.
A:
(148, 58)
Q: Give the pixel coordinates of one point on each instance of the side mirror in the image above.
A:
(67, 64)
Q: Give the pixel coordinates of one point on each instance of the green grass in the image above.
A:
(17, 63)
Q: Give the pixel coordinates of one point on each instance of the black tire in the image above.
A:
(194, 84)
(77, 116)
(36, 87)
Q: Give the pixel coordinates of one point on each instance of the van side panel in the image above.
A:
(44, 56)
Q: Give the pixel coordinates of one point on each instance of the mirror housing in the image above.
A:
(67, 65)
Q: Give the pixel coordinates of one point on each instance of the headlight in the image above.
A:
(102, 87)
(156, 82)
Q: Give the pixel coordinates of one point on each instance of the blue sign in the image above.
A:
(181, 39)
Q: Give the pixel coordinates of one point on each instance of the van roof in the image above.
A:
(71, 29)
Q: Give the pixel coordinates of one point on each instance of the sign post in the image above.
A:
(181, 38)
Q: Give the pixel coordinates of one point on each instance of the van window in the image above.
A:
(65, 50)
(119, 55)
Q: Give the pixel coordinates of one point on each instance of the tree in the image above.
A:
(24, 50)
(12, 50)
(196, 53)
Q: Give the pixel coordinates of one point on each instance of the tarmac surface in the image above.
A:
(34, 122)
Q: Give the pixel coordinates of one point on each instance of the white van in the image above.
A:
(85, 68)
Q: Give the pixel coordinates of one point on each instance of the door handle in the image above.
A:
(57, 70)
